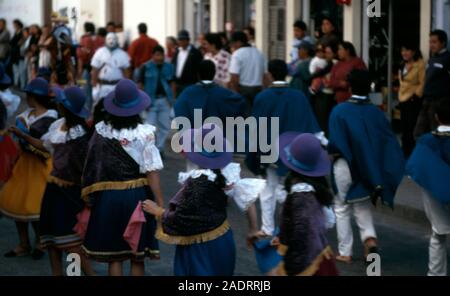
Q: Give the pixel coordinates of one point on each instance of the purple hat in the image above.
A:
(193, 142)
(126, 100)
(38, 87)
(4, 78)
(73, 99)
(304, 154)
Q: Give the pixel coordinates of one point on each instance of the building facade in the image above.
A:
(377, 39)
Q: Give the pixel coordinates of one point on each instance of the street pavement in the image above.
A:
(403, 243)
(403, 238)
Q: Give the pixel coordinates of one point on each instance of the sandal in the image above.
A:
(370, 247)
(20, 251)
(344, 259)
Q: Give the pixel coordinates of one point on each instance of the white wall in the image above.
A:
(87, 11)
(74, 8)
(425, 27)
(22, 9)
(93, 11)
(156, 14)
(352, 24)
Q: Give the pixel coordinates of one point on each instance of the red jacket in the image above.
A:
(141, 50)
(339, 75)
(88, 46)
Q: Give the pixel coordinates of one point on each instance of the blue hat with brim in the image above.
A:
(193, 147)
(38, 87)
(73, 99)
(126, 100)
(4, 78)
(303, 153)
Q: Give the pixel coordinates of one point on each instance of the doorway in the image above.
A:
(277, 29)
(115, 12)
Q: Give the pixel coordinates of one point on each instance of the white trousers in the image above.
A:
(269, 201)
(439, 216)
(437, 265)
(343, 210)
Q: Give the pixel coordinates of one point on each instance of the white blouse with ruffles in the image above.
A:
(245, 192)
(139, 143)
(31, 119)
(56, 135)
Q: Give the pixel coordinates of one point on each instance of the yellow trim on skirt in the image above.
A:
(104, 186)
(60, 182)
(327, 254)
(193, 239)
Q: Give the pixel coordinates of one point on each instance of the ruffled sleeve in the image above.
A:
(46, 142)
(151, 157)
(245, 192)
(52, 130)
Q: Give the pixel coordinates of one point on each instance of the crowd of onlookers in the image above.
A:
(319, 65)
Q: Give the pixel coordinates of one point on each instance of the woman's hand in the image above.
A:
(17, 132)
(252, 237)
(275, 242)
(152, 208)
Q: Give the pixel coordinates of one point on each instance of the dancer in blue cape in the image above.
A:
(368, 164)
(429, 167)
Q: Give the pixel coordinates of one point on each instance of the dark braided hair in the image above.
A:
(320, 184)
(119, 123)
(220, 180)
(44, 101)
(71, 119)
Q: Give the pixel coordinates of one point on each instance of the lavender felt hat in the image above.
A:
(195, 141)
(73, 99)
(304, 154)
(126, 100)
(38, 87)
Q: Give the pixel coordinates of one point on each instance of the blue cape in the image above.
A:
(429, 166)
(361, 134)
(213, 100)
(295, 115)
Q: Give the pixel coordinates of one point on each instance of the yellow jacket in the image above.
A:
(413, 82)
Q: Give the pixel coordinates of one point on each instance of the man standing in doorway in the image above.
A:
(248, 68)
(141, 50)
(186, 62)
(300, 36)
(437, 83)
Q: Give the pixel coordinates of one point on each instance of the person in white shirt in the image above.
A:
(110, 64)
(248, 68)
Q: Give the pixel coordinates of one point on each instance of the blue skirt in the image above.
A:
(59, 210)
(111, 211)
(214, 258)
(267, 256)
